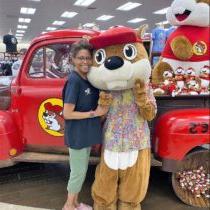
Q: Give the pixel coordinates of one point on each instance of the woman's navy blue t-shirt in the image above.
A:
(83, 132)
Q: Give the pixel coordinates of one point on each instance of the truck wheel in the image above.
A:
(191, 183)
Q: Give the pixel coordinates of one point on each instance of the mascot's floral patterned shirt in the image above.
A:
(125, 130)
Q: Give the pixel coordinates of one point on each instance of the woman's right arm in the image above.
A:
(70, 99)
(70, 114)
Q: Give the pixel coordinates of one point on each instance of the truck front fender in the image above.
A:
(10, 138)
(179, 131)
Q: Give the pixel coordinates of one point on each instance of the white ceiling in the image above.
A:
(48, 11)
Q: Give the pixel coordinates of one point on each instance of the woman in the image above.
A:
(82, 121)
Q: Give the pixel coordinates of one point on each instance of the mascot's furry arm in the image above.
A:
(147, 108)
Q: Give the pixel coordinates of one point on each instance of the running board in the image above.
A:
(37, 157)
(47, 158)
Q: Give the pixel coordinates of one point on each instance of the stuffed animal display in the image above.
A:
(187, 49)
(121, 67)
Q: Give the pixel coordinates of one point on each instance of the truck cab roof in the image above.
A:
(66, 33)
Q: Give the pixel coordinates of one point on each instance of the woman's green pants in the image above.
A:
(78, 159)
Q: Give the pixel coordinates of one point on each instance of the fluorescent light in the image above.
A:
(163, 22)
(28, 11)
(24, 20)
(59, 23)
(89, 25)
(161, 11)
(35, 0)
(51, 28)
(136, 20)
(22, 26)
(19, 35)
(129, 6)
(20, 31)
(69, 14)
(84, 3)
(104, 17)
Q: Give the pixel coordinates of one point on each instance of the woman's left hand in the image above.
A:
(105, 99)
(101, 110)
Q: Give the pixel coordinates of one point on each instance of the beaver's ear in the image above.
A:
(141, 30)
(86, 37)
(203, 1)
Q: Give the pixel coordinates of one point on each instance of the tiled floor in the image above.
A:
(6, 206)
(44, 186)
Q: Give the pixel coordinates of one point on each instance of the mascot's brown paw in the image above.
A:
(105, 99)
(182, 48)
(128, 206)
(139, 91)
(139, 86)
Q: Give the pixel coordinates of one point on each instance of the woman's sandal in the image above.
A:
(83, 206)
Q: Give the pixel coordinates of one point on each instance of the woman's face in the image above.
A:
(82, 61)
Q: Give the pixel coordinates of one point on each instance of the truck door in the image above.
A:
(39, 101)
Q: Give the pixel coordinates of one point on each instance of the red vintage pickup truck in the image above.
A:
(31, 123)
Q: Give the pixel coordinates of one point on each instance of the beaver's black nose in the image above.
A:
(113, 62)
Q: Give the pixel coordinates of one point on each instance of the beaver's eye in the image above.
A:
(130, 51)
(100, 56)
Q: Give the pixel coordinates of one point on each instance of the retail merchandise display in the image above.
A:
(11, 43)
(6, 62)
(186, 52)
(159, 39)
(159, 36)
(10, 55)
(196, 181)
(6, 66)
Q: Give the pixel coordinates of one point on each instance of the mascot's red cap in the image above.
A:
(54, 108)
(115, 35)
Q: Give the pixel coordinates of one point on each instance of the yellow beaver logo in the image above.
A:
(51, 117)
(199, 48)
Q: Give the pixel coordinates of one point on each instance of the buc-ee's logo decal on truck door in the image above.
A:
(51, 117)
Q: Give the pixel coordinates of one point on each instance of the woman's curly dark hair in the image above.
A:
(83, 44)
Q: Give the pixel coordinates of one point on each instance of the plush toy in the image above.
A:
(205, 77)
(121, 66)
(167, 85)
(193, 87)
(188, 46)
(190, 74)
(178, 91)
(179, 77)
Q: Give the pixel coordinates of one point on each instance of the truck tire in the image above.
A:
(191, 166)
